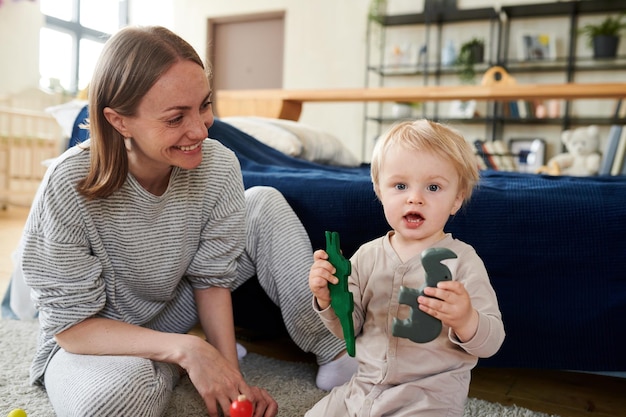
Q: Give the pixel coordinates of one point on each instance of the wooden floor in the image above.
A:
(567, 394)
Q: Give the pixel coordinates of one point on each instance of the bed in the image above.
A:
(554, 247)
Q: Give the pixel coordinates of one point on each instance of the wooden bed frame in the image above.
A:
(287, 104)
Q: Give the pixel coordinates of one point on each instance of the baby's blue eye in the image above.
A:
(400, 186)
(433, 187)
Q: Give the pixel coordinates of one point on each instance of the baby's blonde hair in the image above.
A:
(428, 136)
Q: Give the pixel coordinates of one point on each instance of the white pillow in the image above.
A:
(66, 114)
(271, 135)
(317, 145)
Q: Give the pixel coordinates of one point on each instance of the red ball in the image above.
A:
(242, 407)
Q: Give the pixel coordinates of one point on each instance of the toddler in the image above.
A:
(422, 173)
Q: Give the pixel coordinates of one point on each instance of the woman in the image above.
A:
(144, 230)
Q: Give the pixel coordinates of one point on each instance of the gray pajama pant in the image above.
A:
(278, 251)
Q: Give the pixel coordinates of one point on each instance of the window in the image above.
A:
(72, 38)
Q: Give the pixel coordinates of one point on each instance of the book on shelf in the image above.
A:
(619, 111)
(608, 155)
(617, 108)
(484, 155)
(617, 167)
(480, 162)
(514, 110)
(522, 108)
(494, 155)
(490, 150)
(518, 109)
(506, 160)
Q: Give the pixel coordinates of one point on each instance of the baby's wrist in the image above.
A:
(321, 304)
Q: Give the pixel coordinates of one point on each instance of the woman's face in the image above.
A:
(171, 122)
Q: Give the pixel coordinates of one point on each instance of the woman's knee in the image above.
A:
(265, 207)
(262, 195)
(80, 385)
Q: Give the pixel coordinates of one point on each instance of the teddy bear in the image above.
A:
(582, 157)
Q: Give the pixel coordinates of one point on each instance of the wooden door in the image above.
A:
(246, 51)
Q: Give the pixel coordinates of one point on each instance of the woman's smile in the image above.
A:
(190, 148)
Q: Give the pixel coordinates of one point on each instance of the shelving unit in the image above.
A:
(568, 64)
(429, 72)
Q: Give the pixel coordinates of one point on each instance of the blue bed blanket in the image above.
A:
(324, 197)
(554, 247)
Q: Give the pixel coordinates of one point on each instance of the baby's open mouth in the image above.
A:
(413, 218)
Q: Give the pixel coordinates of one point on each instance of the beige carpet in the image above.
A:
(291, 383)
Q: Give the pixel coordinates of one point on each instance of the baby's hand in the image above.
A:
(320, 275)
(450, 302)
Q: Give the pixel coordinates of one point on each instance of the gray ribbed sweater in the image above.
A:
(133, 256)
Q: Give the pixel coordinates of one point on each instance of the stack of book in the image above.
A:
(494, 155)
(533, 109)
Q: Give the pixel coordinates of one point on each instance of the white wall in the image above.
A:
(19, 46)
(151, 12)
(324, 48)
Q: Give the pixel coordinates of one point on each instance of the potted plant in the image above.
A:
(604, 37)
(377, 9)
(404, 110)
(471, 52)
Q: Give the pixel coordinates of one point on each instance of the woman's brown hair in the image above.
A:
(130, 64)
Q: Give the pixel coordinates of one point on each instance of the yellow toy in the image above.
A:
(18, 412)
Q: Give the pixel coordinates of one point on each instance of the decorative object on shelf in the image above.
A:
(448, 54)
(472, 52)
(537, 47)
(529, 154)
(421, 54)
(377, 9)
(404, 110)
(541, 111)
(604, 37)
(402, 57)
(497, 75)
(462, 109)
(401, 110)
(582, 157)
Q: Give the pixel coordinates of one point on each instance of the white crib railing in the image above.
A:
(27, 139)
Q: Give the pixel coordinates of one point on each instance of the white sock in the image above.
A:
(241, 351)
(335, 373)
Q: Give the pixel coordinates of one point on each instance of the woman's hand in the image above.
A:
(212, 365)
(219, 383)
(320, 275)
(453, 306)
